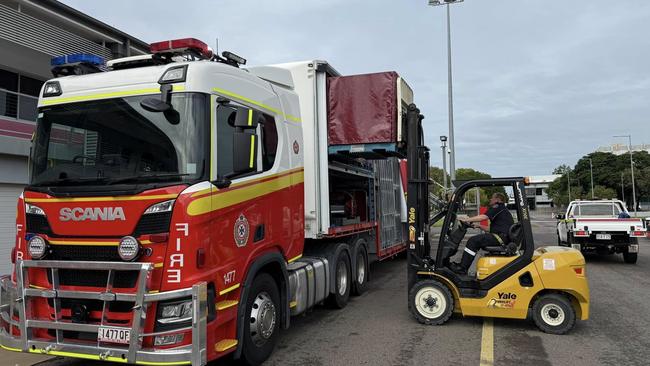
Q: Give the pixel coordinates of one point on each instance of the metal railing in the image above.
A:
(18, 105)
(16, 299)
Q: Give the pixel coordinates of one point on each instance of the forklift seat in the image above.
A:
(515, 236)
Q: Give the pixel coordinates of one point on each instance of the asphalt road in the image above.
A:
(377, 329)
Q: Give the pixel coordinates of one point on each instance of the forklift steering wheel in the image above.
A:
(466, 225)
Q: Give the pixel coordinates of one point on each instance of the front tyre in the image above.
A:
(630, 258)
(431, 302)
(262, 325)
(554, 314)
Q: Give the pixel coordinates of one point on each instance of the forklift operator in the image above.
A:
(500, 222)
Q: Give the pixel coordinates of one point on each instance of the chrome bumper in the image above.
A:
(15, 298)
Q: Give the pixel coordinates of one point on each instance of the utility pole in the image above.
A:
(591, 169)
(623, 188)
(452, 156)
(568, 183)
(629, 139)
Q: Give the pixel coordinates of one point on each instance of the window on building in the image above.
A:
(267, 136)
(539, 191)
(18, 95)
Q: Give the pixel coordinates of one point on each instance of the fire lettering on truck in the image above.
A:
(177, 260)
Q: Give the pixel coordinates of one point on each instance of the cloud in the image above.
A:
(536, 84)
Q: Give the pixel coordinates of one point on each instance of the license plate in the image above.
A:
(114, 335)
(634, 248)
(603, 236)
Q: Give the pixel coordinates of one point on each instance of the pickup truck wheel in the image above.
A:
(263, 314)
(361, 271)
(342, 282)
(431, 302)
(630, 257)
(553, 313)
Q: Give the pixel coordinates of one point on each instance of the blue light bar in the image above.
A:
(77, 58)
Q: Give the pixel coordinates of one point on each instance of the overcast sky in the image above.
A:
(536, 83)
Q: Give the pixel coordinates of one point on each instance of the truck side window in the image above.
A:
(269, 139)
(266, 130)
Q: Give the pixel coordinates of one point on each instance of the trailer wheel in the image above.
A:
(554, 314)
(431, 302)
(362, 270)
(630, 258)
(342, 281)
(262, 321)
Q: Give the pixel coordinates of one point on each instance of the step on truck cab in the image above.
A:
(182, 208)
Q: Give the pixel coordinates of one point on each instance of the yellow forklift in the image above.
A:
(512, 279)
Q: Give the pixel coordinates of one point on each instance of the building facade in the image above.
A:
(536, 190)
(31, 33)
(620, 149)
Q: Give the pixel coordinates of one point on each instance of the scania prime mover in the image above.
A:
(182, 208)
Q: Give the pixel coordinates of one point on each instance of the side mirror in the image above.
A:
(245, 118)
(155, 105)
(244, 146)
(560, 216)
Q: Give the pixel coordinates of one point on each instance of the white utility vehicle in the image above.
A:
(602, 226)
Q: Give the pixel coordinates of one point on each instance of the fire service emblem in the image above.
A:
(241, 231)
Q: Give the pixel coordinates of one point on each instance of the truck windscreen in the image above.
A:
(117, 141)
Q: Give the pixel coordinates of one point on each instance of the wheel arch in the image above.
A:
(275, 265)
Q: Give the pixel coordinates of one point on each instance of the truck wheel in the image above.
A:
(630, 257)
(554, 314)
(431, 302)
(262, 325)
(342, 282)
(361, 271)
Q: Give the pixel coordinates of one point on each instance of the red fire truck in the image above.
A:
(182, 208)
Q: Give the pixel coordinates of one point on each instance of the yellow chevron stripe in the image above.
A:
(203, 192)
(229, 198)
(102, 199)
(229, 289)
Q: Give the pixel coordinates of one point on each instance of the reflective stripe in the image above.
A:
(470, 252)
(250, 164)
(250, 117)
(102, 199)
(498, 238)
(124, 93)
(268, 108)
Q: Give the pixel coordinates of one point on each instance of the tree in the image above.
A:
(561, 169)
(604, 193)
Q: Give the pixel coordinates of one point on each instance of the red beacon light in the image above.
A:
(181, 46)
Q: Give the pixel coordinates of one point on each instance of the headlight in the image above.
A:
(37, 247)
(128, 249)
(34, 210)
(160, 207)
(175, 312)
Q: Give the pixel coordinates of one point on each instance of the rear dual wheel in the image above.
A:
(362, 270)
(342, 281)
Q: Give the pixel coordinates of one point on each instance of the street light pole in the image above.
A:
(591, 169)
(568, 183)
(622, 187)
(629, 139)
(443, 139)
(452, 148)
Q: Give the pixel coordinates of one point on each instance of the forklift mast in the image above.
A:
(417, 200)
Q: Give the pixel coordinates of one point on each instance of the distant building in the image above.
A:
(536, 190)
(620, 149)
(31, 33)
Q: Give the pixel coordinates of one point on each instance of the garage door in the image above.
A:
(8, 198)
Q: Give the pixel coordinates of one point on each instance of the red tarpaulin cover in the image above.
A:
(362, 108)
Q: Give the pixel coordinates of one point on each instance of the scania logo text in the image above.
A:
(91, 213)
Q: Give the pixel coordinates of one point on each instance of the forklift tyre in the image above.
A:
(342, 281)
(361, 269)
(431, 302)
(554, 314)
(630, 258)
(263, 314)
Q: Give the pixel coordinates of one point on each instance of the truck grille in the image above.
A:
(84, 253)
(96, 278)
(37, 224)
(153, 224)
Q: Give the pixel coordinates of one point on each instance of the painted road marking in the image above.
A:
(487, 343)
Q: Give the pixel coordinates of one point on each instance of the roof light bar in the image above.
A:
(77, 58)
(182, 45)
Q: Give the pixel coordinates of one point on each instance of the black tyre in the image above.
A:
(554, 314)
(431, 302)
(362, 270)
(262, 325)
(342, 282)
(559, 242)
(630, 258)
